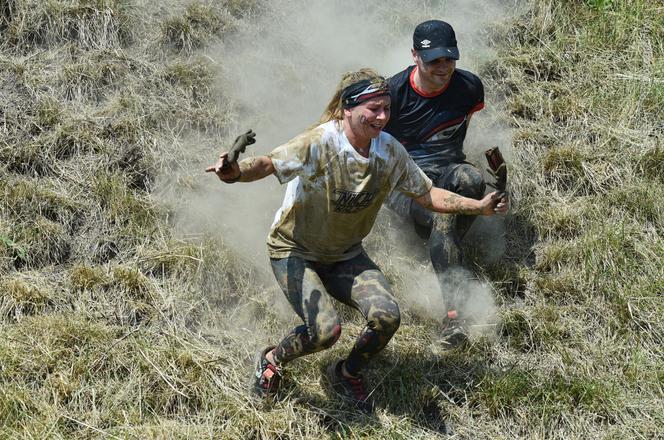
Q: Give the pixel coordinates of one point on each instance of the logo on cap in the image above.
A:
(425, 44)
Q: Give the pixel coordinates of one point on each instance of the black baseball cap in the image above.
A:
(435, 39)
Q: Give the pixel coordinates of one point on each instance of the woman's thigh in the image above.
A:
(305, 292)
(359, 283)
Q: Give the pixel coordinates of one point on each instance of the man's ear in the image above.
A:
(413, 52)
(347, 113)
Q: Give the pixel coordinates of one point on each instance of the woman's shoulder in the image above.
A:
(313, 135)
(389, 146)
(331, 133)
(323, 132)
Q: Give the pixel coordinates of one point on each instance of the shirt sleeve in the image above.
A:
(478, 92)
(294, 158)
(408, 177)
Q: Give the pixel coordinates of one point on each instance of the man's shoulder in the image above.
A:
(468, 79)
(400, 79)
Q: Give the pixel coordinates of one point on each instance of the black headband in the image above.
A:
(360, 91)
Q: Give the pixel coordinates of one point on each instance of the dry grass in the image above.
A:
(113, 327)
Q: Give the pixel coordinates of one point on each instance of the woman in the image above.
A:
(338, 175)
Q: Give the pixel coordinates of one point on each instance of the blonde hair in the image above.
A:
(334, 109)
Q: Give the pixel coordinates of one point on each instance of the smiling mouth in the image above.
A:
(376, 124)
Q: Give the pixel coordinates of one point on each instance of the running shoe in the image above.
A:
(266, 375)
(353, 388)
(454, 334)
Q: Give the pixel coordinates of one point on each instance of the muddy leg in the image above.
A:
(360, 284)
(310, 300)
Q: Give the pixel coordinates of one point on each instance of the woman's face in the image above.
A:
(368, 119)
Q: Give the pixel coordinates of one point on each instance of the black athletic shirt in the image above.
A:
(432, 127)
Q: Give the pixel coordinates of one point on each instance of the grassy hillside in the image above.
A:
(114, 326)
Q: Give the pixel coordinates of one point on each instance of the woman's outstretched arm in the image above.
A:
(441, 200)
(247, 170)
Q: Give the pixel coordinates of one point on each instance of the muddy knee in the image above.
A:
(444, 249)
(385, 318)
(469, 181)
(326, 336)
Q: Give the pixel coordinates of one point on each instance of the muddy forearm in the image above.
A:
(447, 202)
(255, 168)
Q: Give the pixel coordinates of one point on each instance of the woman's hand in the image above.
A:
(495, 203)
(225, 171)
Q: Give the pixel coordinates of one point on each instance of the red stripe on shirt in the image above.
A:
(445, 125)
(422, 93)
(479, 106)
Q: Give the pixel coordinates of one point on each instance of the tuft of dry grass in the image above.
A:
(196, 26)
(27, 25)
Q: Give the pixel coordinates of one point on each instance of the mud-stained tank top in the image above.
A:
(334, 193)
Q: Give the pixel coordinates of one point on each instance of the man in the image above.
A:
(432, 103)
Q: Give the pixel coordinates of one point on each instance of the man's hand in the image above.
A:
(497, 168)
(225, 171)
(495, 203)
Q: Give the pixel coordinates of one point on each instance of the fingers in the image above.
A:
(228, 173)
(216, 168)
(500, 201)
(251, 137)
(223, 157)
(502, 206)
(221, 168)
(495, 195)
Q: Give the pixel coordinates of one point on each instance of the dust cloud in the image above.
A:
(474, 297)
(278, 72)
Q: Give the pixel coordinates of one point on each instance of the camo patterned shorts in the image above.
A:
(310, 288)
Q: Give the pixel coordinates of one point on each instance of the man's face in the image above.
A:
(369, 118)
(436, 72)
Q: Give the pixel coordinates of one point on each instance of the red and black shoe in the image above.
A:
(455, 333)
(266, 375)
(353, 388)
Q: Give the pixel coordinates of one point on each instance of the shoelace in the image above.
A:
(357, 387)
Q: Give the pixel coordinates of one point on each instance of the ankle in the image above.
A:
(270, 358)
